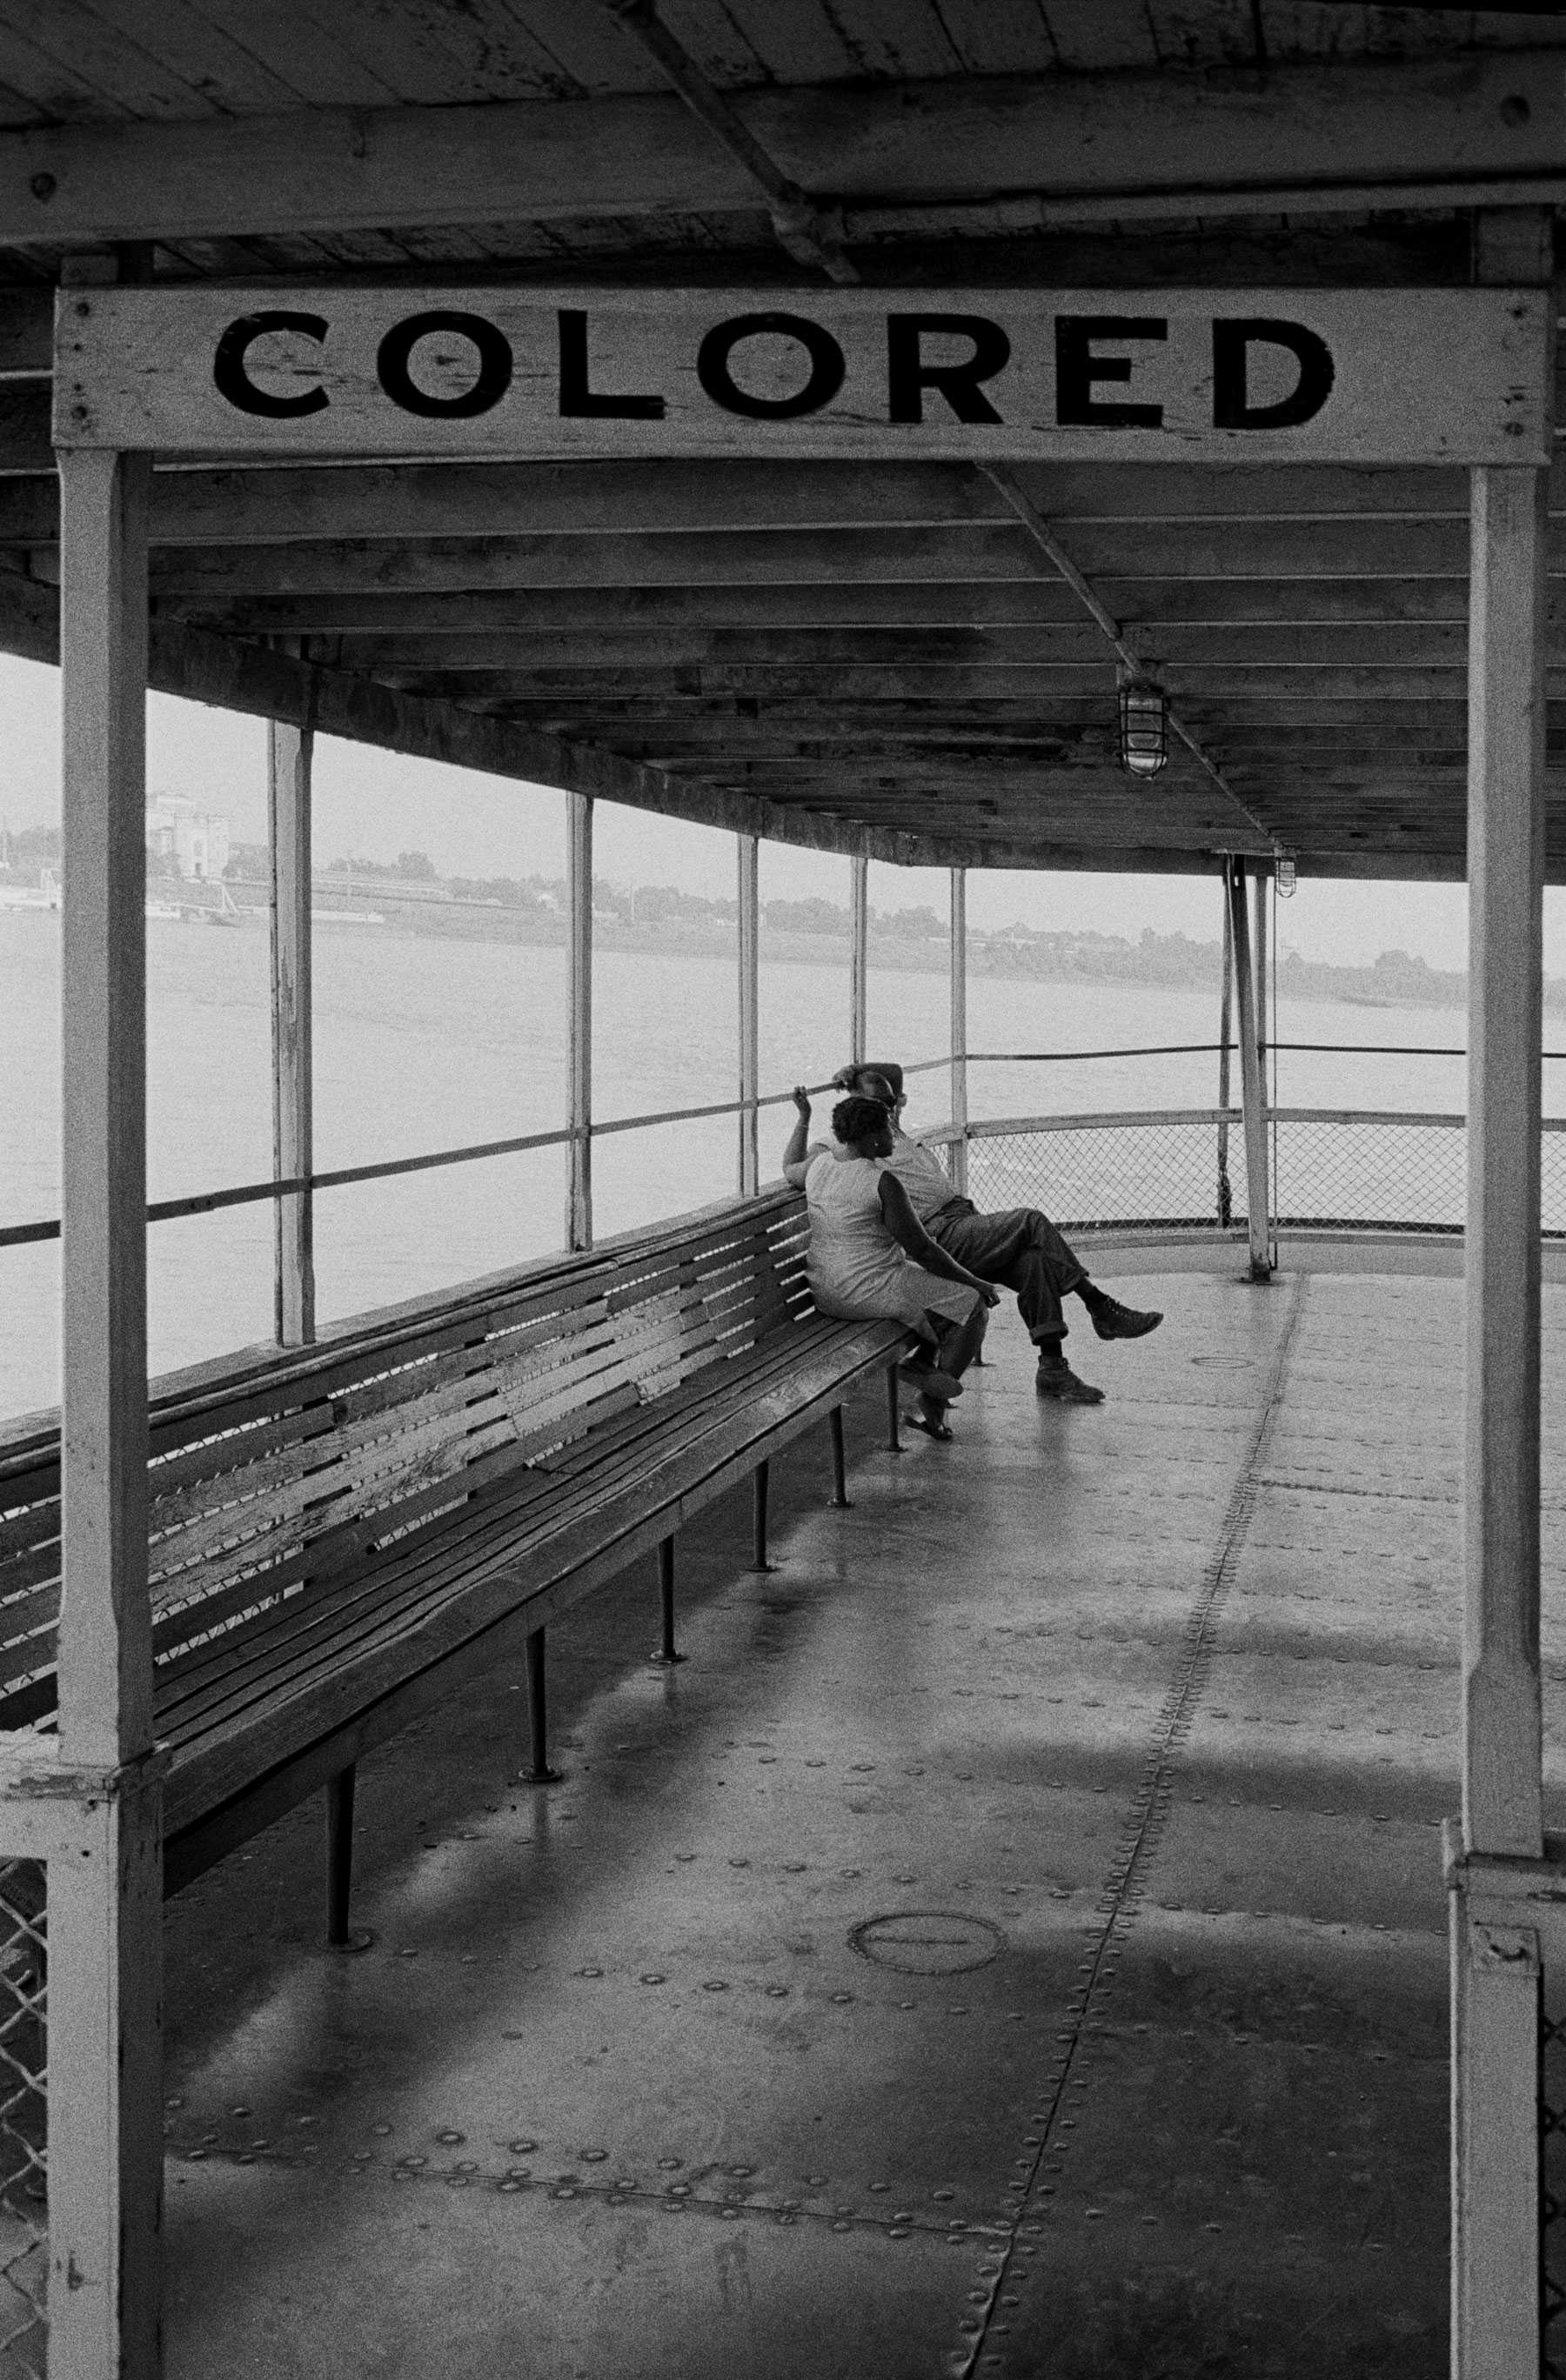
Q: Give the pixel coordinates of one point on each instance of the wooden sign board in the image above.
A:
(976, 375)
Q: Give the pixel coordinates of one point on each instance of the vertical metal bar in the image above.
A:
(666, 1654)
(1495, 2081)
(339, 1854)
(580, 1044)
(893, 1442)
(749, 849)
(839, 1459)
(539, 1772)
(291, 752)
(859, 960)
(759, 1481)
(959, 1159)
(1250, 1078)
(104, 1898)
(1225, 1197)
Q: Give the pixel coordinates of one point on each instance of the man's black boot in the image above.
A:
(1113, 1321)
(1056, 1380)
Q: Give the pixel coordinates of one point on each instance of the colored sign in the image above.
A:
(987, 375)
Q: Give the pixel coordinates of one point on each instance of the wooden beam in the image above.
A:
(1502, 1786)
(1320, 135)
(1267, 603)
(104, 1998)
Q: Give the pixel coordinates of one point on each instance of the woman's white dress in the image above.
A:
(855, 1267)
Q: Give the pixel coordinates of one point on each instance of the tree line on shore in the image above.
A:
(533, 908)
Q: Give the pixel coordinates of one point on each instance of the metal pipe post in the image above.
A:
(579, 1039)
(959, 1147)
(104, 1916)
(1225, 1197)
(749, 848)
(1251, 1094)
(290, 754)
(1496, 1949)
(859, 960)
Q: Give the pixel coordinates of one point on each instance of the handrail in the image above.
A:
(249, 1194)
(1112, 1119)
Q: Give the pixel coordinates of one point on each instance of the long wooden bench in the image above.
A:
(341, 1535)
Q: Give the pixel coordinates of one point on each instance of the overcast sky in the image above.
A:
(376, 804)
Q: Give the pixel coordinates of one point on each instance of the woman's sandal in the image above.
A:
(930, 1381)
(936, 1429)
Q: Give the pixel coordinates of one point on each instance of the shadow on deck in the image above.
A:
(1014, 1941)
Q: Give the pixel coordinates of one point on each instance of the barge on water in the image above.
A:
(1112, 439)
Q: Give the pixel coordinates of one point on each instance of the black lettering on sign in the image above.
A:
(494, 365)
(908, 375)
(578, 401)
(232, 377)
(1232, 343)
(1077, 367)
(827, 367)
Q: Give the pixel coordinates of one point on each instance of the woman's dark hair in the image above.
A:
(853, 1119)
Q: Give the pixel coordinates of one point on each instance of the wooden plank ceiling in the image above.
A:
(864, 658)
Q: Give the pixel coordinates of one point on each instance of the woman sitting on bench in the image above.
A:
(871, 1258)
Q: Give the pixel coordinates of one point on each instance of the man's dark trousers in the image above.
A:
(1018, 1249)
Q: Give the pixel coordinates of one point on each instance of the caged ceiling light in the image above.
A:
(1144, 726)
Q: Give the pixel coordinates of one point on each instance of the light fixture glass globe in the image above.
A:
(1144, 726)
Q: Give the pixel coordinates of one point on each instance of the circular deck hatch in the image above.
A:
(929, 1941)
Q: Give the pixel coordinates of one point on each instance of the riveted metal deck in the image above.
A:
(1013, 1942)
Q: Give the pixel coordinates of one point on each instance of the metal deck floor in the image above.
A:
(1014, 1941)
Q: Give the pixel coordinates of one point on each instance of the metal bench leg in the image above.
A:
(666, 1656)
(539, 1773)
(893, 1443)
(340, 1861)
(839, 1459)
(759, 1519)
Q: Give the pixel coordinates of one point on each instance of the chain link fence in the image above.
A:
(1184, 1170)
(24, 2209)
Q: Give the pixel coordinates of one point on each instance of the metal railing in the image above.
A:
(24, 2212)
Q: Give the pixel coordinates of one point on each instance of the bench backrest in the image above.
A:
(294, 1464)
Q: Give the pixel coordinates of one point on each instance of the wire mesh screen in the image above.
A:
(24, 2211)
(1552, 2188)
(1370, 1170)
(1187, 1172)
(1170, 1173)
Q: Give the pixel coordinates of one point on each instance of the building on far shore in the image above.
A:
(194, 840)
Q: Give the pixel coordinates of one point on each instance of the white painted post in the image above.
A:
(859, 960)
(749, 850)
(1251, 1095)
(291, 752)
(105, 2164)
(959, 1157)
(1496, 1968)
(579, 1046)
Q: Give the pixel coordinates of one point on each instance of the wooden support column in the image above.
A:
(959, 1149)
(105, 2163)
(859, 960)
(1251, 1094)
(580, 1045)
(749, 850)
(291, 752)
(1495, 1971)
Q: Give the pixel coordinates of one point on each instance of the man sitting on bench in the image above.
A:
(1019, 1248)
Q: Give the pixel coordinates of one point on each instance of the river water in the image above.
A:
(422, 1043)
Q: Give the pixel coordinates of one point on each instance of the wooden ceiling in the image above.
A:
(886, 658)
